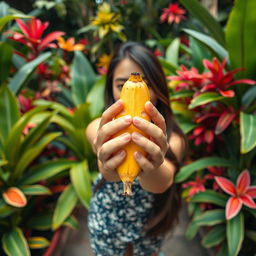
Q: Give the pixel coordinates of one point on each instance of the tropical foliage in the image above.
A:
(51, 87)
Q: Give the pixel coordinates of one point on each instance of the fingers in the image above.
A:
(153, 150)
(143, 162)
(111, 128)
(112, 146)
(158, 135)
(111, 112)
(115, 161)
(155, 116)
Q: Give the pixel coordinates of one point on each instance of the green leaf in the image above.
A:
(211, 44)
(5, 61)
(6, 210)
(71, 222)
(14, 243)
(38, 242)
(240, 37)
(181, 94)
(25, 72)
(40, 221)
(86, 29)
(81, 181)
(45, 170)
(3, 162)
(170, 67)
(205, 98)
(201, 13)
(192, 228)
(9, 112)
(247, 131)
(223, 249)
(8, 18)
(235, 234)
(215, 236)
(16, 134)
(172, 52)
(210, 196)
(210, 218)
(200, 164)
(35, 190)
(82, 78)
(96, 94)
(249, 97)
(65, 204)
(251, 234)
(30, 155)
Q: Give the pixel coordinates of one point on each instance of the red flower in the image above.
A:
(241, 194)
(220, 82)
(31, 35)
(189, 79)
(195, 186)
(173, 14)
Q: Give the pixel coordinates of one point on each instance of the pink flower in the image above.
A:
(241, 194)
(173, 14)
(195, 186)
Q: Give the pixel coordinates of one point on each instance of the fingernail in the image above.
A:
(121, 153)
(136, 135)
(138, 155)
(136, 120)
(128, 119)
(126, 136)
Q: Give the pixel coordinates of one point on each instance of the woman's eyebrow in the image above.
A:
(121, 79)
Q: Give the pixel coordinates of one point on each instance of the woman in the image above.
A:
(135, 225)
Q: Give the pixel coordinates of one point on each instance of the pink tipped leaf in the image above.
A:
(49, 38)
(243, 182)
(248, 201)
(251, 191)
(233, 207)
(226, 185)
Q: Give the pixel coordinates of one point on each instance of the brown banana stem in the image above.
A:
(127, 188)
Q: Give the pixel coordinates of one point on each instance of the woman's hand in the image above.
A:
(156, 145)
(109, 150)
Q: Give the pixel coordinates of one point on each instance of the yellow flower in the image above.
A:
(70, 45)
(106, 20)
(103, 63)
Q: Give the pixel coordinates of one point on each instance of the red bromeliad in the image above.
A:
(195, 186)
(31, 35)
(221, 81)
(241, 194)
(173, 14)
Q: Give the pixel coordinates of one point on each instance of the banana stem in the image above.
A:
(127, 188)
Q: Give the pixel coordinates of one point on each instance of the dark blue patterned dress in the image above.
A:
(115, 220)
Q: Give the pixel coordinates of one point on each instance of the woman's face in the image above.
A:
(122, 73)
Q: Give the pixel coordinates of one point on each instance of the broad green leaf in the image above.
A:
(240, 37)
(3, 162)
(223, 249)
(247, 131)
(172, 52)
(181, 94)
(210, 196)
(200, 164)
(9, 112)
(170, 67)
(5, 61)
(71, 222)
(215, 236)
(45, 170)
(38, 242)
(186, 127)
(65, 204)
(35, 190)
(201, 13)
(25, 72)
(249, 97)
(96, 94)
(82, 78)
(40, 221)
(8, 18)
(205, 98)
(86, 29)
(192, 228)
(30, 155)
(235, 234)
(14, 243)
(81, 181)
(82, 116)
(6, 210)
(64, 124)
(211, 44)
(210, 218)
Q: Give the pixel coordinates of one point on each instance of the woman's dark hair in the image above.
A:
(167, 204)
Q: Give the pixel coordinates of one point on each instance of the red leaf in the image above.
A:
(23, 27)
(233, 207)
(226, 185)
(49, 38)
(243, 81)
(248, 201)
(208, 136)
(225, 119)
(243, 182)
(251, 191)
(228, 93)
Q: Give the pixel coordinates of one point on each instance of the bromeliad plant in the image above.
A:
(214, 101)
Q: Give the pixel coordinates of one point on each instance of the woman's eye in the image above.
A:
(119, 87)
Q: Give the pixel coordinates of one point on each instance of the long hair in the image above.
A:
(167, 204)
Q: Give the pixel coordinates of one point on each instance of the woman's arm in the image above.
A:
(159, 180)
